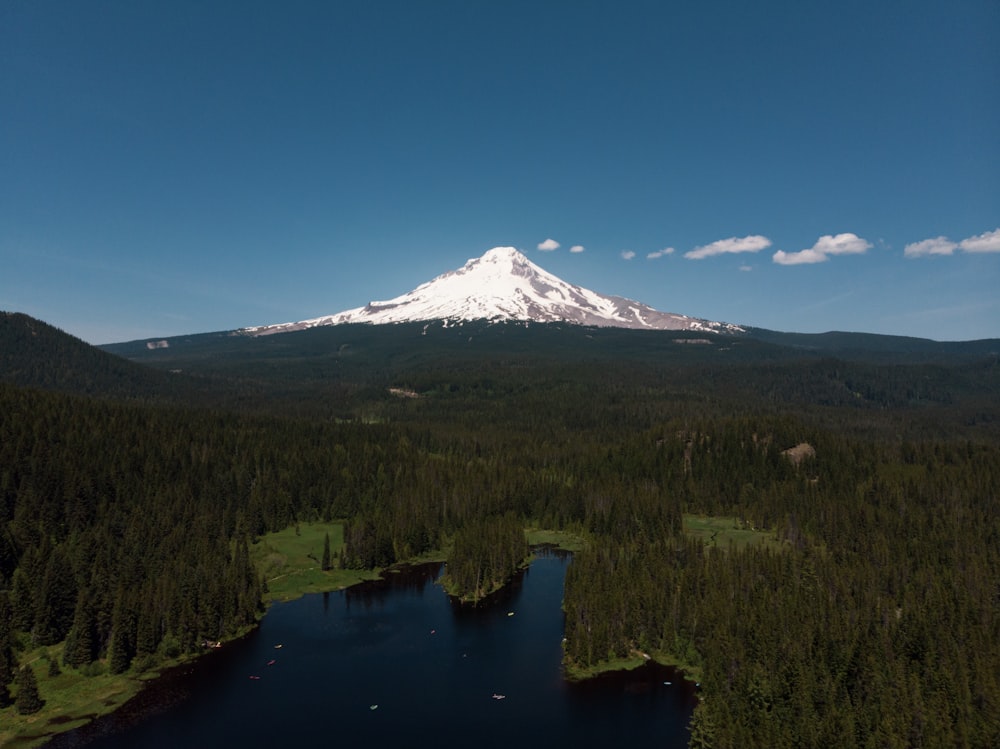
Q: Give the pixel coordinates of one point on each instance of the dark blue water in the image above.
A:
(397, 663)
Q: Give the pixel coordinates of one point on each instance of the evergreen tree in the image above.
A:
(7, 661)
(120, 650)
(22, 601)
(81, 642)
(56, 601)
(702, 728)
(6, 699)
(326, 553)
(28, 699)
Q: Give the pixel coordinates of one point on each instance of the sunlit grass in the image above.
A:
(291, 561)
(72, 697)
(562, 539)
(725, 532)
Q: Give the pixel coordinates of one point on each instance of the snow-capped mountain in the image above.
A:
(504, 285)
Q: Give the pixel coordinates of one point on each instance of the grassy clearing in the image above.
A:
(562, 539)
(290, 561)
(723, 532)
(574, 672)
(635, 659)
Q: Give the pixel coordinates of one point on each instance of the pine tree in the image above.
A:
(28, 700)
(56, 601)
(326, 553)
(21, 601)
(6, 653)
(6, 699)
(81, 646)
(120, 650)
(118, 656)
(702, 728)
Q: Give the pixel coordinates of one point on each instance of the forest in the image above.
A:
(132, 494)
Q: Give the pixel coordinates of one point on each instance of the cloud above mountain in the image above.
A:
(660, 253)
(751, 243)
(826, 246)
(935, 246)
(983, 243)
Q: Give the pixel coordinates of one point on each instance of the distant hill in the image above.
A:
(34, 353)
(874, 345)
(341, 370)
(350, 346)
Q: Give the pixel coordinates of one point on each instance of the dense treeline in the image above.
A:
(121, 534)
(126, 529)
(878, 624)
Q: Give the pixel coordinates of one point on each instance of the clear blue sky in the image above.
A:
(178, 167)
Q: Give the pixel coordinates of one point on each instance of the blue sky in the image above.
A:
(180, 167)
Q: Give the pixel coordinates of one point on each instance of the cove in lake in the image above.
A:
(399, 663)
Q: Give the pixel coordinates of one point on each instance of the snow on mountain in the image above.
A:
(504, 285)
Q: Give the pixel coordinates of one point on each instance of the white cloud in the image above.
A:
(746, 268)
(628, 254)
(576, 249)
(988, 242)
(752, 243)
(660, 253)
(548, 245)
(842, 244)
(803, 257)
(936, 246)
(827, 245)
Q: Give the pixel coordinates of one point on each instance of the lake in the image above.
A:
(398, 663)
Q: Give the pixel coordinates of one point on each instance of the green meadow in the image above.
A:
(727, 532)
(291, 561)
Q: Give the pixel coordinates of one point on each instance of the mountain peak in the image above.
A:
(498, 254)
(501, 285)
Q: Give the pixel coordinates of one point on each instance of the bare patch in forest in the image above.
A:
(800, 452)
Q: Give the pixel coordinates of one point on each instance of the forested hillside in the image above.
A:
(36, 354)
(874, 620)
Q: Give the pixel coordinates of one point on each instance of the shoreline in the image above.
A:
(686, 672)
